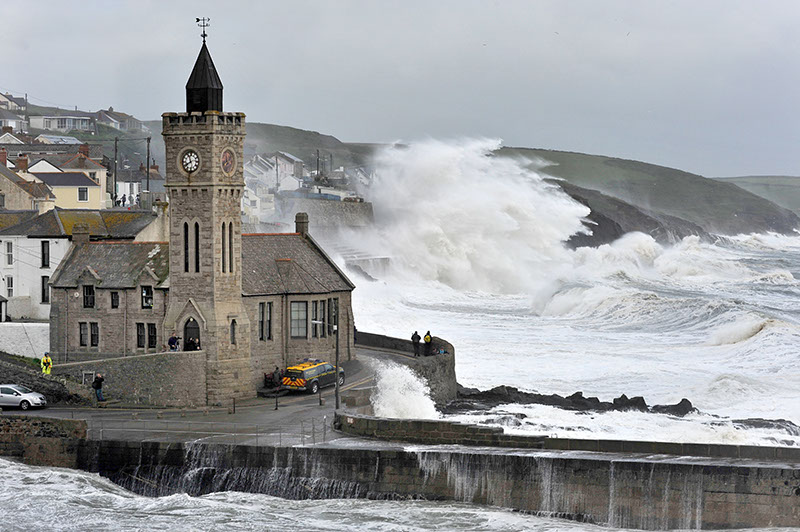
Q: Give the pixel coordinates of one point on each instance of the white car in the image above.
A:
(18, 395)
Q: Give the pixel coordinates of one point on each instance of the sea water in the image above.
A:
(478, 258)
(477, 253)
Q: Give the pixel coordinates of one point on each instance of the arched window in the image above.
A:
(196, 247)
(233, 332)
(224, 247)
(185, 247)
(230, 246)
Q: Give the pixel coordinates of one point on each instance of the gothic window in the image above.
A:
(114, 299)
(224, 235)
(230, 245)
(196, 247)
(185, 247)
(314, 319)
(233, 332)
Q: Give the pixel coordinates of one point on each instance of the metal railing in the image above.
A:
(307, 432)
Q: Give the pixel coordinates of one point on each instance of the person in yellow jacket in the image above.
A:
(427, 339)
(47, 364)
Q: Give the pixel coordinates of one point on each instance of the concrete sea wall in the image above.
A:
(651, 492)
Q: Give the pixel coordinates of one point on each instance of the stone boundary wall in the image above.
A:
(172, 379)
(431, 432)
(42, 441)
(615, 490)
(438, 370)
(452, 433)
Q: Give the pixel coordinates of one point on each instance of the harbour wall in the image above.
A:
(438, 370)
(621, 490)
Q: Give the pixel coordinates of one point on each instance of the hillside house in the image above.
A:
(13, 103)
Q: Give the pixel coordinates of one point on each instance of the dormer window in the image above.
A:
(147, 297)
(88, 296)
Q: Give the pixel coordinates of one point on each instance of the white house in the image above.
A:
(65, 122)
(12, 103)
(12, 120)
(25, 269)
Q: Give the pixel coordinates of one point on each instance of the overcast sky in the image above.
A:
(707, 86)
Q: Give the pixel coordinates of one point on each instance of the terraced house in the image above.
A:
(250, 302)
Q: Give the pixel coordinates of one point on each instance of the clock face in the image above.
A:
(228, 161)
(190, 161)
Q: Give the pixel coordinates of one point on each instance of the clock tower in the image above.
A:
(205, 181)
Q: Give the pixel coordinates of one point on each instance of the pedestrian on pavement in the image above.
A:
(277, 377)
(47, 364)
(415, 338)
(97, 384)
(428, 341)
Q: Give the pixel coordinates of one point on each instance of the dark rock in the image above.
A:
(680, 409)
(772, 424)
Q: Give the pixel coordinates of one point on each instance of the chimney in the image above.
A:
(154, 166)
(84, 149)
(142, 168)
(8, 129)
(3, 157)
(80, 234)
(301, 223)
(22, 163)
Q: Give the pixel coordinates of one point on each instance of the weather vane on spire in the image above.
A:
(203, 23)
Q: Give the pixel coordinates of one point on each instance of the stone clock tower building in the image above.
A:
(205, 181)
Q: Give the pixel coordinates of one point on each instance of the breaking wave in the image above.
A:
(400, 393)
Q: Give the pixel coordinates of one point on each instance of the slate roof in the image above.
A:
(116, 264)
(287, 263)
(101, 224)
(80, 161)
(204, 74)
(12, 218)
(35, 190)
(9, 115)
(65, 179)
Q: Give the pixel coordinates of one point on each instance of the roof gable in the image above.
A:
(287, 263)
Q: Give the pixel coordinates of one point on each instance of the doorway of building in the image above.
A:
(191, 335)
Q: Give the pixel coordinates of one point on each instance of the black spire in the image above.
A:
(204, 88)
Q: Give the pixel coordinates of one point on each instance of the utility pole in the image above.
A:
(336, 328)
(317, 164)
(116, 154)
(277, 177)
(148, 164)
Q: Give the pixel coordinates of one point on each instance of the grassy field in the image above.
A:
(783, 190)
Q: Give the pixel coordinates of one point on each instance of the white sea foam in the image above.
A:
(400, 393)
(478, 258)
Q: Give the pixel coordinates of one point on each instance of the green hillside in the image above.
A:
(715, 206)
(783, 190)
(269, 138)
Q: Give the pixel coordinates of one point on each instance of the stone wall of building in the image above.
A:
(285, 351)
(16, 199)
(174, 379)
(118, 331)
(42, 441)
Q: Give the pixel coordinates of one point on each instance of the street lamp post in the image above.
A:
(336, 392)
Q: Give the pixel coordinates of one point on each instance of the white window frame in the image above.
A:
(86, 190)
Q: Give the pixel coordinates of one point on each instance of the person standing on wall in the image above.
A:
(428, 341)
(415, 338)
(97, 384)
(173, 342)
(47, 364)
